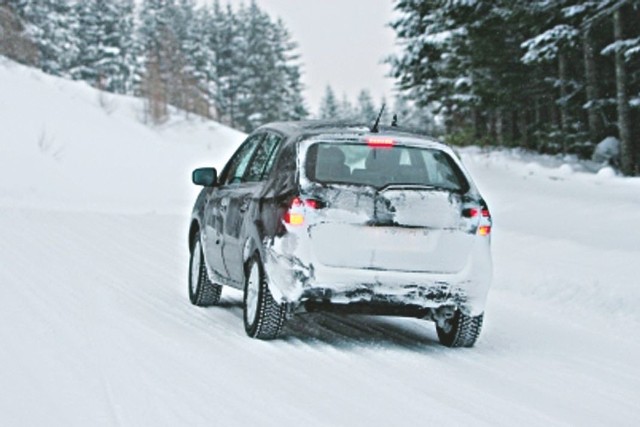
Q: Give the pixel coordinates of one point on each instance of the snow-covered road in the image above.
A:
(96, 327)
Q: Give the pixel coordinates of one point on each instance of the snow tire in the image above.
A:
(263, 316)
(202, 291)
(463, 332)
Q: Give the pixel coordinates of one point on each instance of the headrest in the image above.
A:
(332, 155)
(383, 158)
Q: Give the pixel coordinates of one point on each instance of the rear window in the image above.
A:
(360, 164)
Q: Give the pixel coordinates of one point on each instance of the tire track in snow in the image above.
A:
(112, 325)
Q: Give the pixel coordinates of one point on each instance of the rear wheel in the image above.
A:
(263, 316)
(202, 291)
(461, 330)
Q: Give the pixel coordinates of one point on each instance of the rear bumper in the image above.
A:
(295, 277)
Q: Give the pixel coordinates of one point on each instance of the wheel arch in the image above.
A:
(193, 230)
(250, 248)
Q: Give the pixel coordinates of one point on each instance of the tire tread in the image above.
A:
(465, 331)
(270, 316)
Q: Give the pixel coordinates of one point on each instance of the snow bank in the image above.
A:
(565, 232)
(66, 145)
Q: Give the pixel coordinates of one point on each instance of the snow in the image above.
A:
(607, 150)
(544, 47)
(96, 326)
(66, 145)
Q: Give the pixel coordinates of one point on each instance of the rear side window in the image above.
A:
(263, 157)
(359, 164)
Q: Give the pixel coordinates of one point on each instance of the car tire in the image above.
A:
(263, 315)
(202, 291)
(461, 330)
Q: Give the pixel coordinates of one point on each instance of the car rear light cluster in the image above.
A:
(295, 214)
(484, 229)
(474, 212)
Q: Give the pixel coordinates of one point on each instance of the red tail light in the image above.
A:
(295, 214)
(470, 212)
(484, 228)
(474, 212)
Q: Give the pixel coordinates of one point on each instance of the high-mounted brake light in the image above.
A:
(295, 214)
(380, 142)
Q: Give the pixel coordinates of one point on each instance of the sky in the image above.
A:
(342, 43)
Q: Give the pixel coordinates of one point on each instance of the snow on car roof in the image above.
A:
(298, 130)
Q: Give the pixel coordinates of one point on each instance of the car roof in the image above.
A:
(305, 129)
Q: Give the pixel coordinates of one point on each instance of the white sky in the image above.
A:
(341, 42)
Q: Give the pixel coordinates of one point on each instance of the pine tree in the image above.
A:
(50, 26)
(329, 109)
(345, 109)
(366, 111)
(105, 40)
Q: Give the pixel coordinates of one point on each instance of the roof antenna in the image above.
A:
(394, 122)
(375, 129)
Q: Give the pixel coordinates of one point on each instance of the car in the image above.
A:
(316, 216)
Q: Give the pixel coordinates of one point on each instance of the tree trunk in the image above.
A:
(563, 104)
(478, 132)
(493, 127)
(593, 92)
(523, 125)
(627, 152)
(500, 126)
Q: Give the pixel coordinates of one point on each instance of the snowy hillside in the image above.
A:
(64, 144)
(96, 327)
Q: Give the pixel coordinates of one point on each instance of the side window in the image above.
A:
(272, 157)
(262, 158)
(285, 166)
(237, 166)
(440, 170)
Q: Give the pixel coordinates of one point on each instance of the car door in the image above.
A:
(217, 205)
(243, 208)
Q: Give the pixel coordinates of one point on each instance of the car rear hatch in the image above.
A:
(380, 204)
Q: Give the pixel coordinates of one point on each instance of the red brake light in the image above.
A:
(380, 142)
(295, 214)
(474, 212)
(470, 213)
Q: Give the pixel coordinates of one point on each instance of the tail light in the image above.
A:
(474, 212)
(484, 229)
(295, 214)
(485, 222)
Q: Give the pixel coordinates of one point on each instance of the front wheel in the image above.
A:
(263, 316)
(202, 291)
(461, 330)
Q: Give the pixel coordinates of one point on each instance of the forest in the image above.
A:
(240, 67)
(553, 76)
(556, 76)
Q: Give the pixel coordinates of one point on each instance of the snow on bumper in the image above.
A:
(295, 276)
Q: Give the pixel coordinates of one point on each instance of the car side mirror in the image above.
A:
(207, 177)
